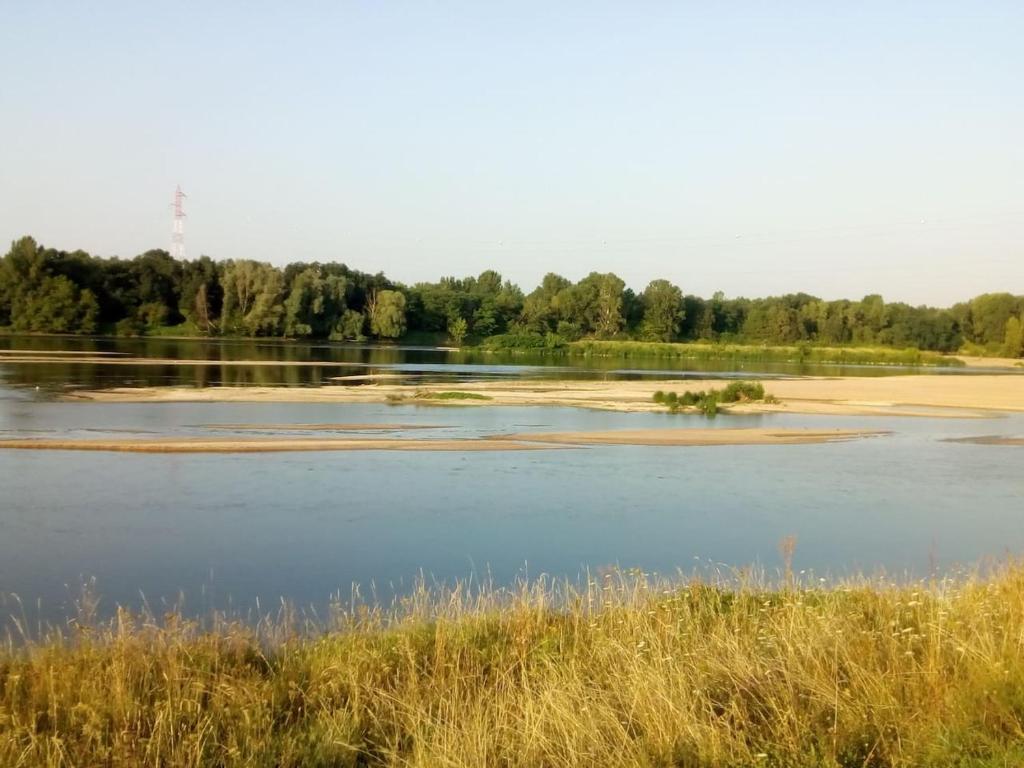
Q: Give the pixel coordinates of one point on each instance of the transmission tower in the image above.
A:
(178, 225)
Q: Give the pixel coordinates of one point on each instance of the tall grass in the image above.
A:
(624, 671)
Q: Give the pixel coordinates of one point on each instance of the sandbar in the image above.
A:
(988, 440)
(924, 395)
(320, 427)
(697, 437)
(267, 445)
(523, 441)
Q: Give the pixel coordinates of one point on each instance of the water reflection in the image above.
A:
(204, 363)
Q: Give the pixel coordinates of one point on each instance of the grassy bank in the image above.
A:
(626, 672)
(756, 353)
(795, 353)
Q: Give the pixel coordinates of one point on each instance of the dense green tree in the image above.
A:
(457, 328)
(351, 326)
(43, 289)
(542, 308)
(316, 304)
(987, 317)
(1013, 338)
(202, 295)
(55, 305)
(596, 302)
(252, 298)
(386, 311)
(157, 278)
(662, 305)
(32, 298)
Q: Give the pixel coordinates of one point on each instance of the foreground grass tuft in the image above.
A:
(625, 671)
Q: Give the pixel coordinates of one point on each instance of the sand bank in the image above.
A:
(372, 377)
(988, 440)
(524, 441)
(266, 445)
(319, 427)
(966, 395)
(697, 437)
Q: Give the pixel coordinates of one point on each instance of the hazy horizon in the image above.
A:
(838, 151)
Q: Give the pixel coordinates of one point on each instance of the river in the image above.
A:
(221, 531)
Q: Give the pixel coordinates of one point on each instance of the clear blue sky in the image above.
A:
(838, 148)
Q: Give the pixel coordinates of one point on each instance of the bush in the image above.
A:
(741, 391)
(709, 405)
(708, 402)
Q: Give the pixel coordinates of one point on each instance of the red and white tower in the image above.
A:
(178, 225)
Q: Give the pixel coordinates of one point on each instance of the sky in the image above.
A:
(755, 148)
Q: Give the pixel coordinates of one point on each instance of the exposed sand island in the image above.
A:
(319, 427)
(265, 445)
(517, 442)
(988, 440)
(964, 395)
(697, 436)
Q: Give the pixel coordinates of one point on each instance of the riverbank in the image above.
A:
(743, 352)
(916, 395)
(628, 672)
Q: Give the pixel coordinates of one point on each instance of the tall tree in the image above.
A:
(252, 298)
(387, 314)
(315, 304)
(1013, 339)
(662, 310)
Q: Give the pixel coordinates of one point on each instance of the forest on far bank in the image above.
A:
(45, 290)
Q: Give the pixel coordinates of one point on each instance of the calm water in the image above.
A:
(231, 528)
(337, 360)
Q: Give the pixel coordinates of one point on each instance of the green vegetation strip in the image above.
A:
(755, 353)
(627, 672)
(452, 396)
(708, 402)
(46, 290)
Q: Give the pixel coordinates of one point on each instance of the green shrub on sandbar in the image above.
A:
(707, 402)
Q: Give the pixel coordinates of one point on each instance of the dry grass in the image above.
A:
(626, 671)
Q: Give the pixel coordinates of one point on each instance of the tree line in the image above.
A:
(53, 291)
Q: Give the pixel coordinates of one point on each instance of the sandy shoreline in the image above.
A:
(930, 395)
(524, 441)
